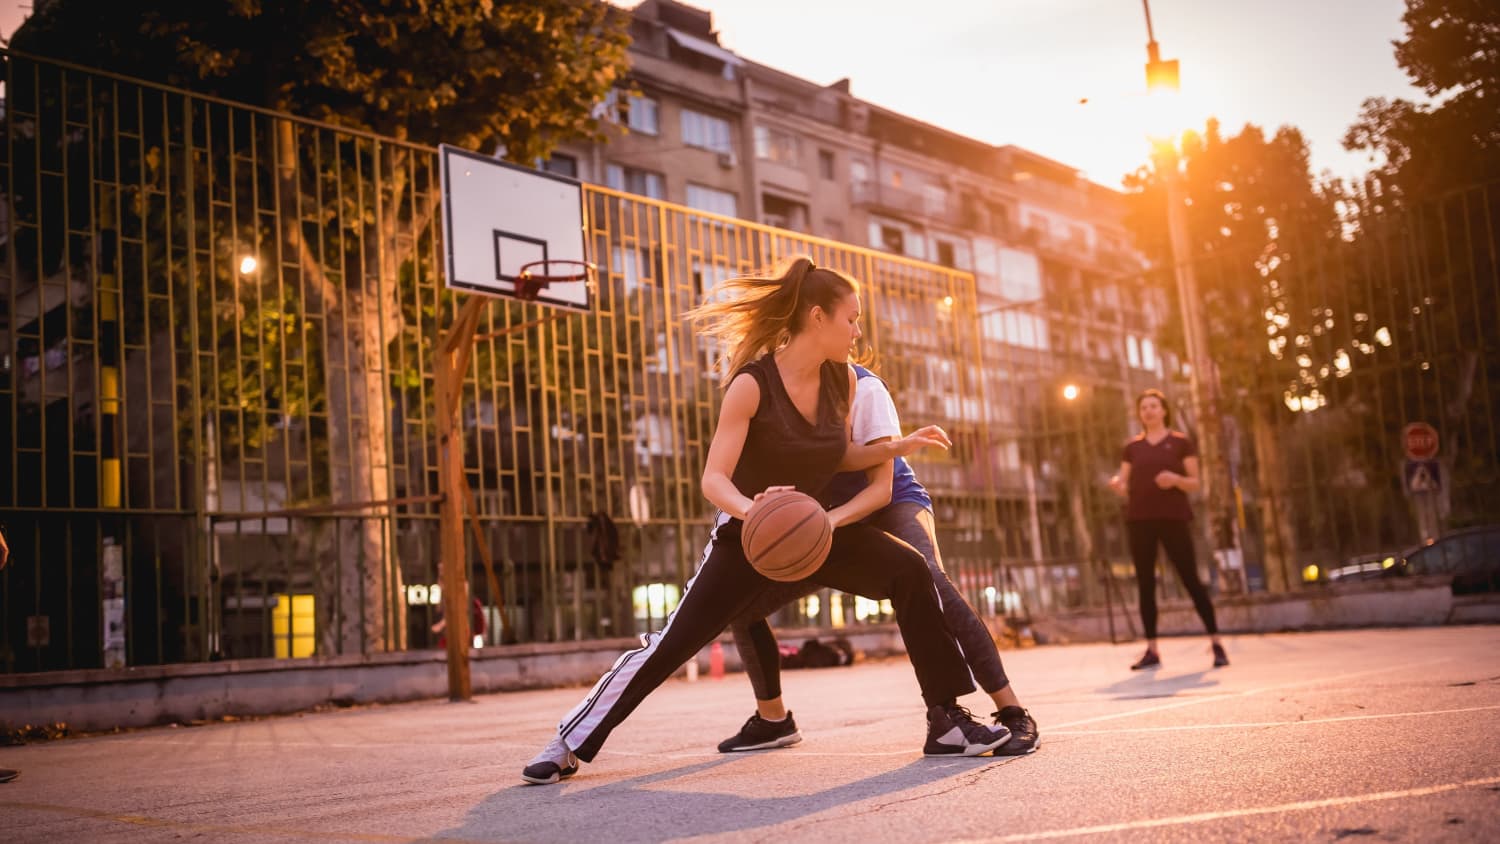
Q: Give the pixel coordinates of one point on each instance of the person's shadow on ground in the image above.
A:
(632, 810)
(1145, 685)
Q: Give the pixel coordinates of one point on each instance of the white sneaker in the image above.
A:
(556, 762)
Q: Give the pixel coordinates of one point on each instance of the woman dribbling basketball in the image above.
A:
(783, 424)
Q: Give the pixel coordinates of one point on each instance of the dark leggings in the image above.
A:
(1172, 535)
(911, 523)
(864, 561)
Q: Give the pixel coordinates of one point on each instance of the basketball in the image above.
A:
(786, 536)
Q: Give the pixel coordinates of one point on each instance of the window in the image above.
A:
(1148, 357)
(892, 240)
(945, 254)
(784, 213)
(1133, 352)
(631, 180)
(628, 264)
(712, 200)
(825, 164)
(934, 199)
(562, 165)
(777, 145)
(707, 132)
(859, 172)
(642, 114)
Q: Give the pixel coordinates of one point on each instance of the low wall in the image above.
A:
(1407, 602)
(99, 699)
(136, 697)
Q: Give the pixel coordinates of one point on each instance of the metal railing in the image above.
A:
(216, 426)
(219, 325)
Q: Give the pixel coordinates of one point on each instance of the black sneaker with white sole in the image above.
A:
(555, 763)
(760, 734)
(952, 731)
(1024, 736)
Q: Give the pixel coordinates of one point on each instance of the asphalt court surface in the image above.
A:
(1380, 735)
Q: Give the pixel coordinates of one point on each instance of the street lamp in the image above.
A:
(1163, 86)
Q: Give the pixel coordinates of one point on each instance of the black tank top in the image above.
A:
(781, 447)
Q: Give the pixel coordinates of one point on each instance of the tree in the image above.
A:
(1452, 52)
(1258, 225)
(516, 77)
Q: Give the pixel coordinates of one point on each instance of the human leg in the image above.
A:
(913, 524)
(870, 562)
(1143, 542)
(772, 725)
(724, 585)
(1177, 541)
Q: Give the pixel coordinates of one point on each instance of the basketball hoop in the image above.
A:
(539, 275)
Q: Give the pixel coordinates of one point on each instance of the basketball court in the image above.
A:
(1378, 735)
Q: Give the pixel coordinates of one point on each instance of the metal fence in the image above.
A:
(218, 329)
(217, 332)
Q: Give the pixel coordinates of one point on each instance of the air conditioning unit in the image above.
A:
(728, 160)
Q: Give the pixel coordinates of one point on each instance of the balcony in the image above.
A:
(908, 203)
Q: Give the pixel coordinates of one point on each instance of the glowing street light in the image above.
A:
(1071, 392)
(248, 264)
(1163, 83)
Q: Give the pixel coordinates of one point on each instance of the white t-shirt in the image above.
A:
(873, 414)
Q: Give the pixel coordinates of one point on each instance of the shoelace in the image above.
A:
(960, 713)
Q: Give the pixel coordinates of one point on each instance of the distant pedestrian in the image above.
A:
(1158, 470)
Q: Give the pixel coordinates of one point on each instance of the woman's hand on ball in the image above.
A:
(750, 502)
(771, 490)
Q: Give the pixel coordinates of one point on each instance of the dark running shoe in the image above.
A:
(760, 734)
(555, 763)
(952, 731)
(1150, 660)
(1221, 659)
(1024, 736)
(8, 774)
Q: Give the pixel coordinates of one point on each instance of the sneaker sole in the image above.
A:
(968, 750)
(1000, 751)
(784, 741)
(559, 777)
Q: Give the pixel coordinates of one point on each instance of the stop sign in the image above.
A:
(1421, 441)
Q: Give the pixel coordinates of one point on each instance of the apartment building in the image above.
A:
(1058, 283)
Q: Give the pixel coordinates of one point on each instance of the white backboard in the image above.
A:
(498, 217)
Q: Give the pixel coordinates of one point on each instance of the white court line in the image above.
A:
(1246, 693)
(1204, 817)
(1249, 724)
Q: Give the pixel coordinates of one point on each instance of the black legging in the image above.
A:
(864, 560)
(1172, 535)
(911, 523)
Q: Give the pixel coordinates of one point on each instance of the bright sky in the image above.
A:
(1013, 71)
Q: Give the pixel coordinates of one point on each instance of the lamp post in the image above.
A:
(1162, 80)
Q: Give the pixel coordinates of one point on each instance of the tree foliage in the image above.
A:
(480, 74)
(1452, 52)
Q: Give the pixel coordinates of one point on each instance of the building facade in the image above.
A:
(1060, 298)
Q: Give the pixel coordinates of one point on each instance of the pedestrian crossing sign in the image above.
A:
(1423, 476)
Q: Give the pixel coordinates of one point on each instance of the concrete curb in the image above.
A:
(99, 699)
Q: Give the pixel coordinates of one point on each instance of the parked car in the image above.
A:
(1369, 567)
(1471, 555)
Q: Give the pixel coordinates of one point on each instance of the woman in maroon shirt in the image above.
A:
(1159, 469)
